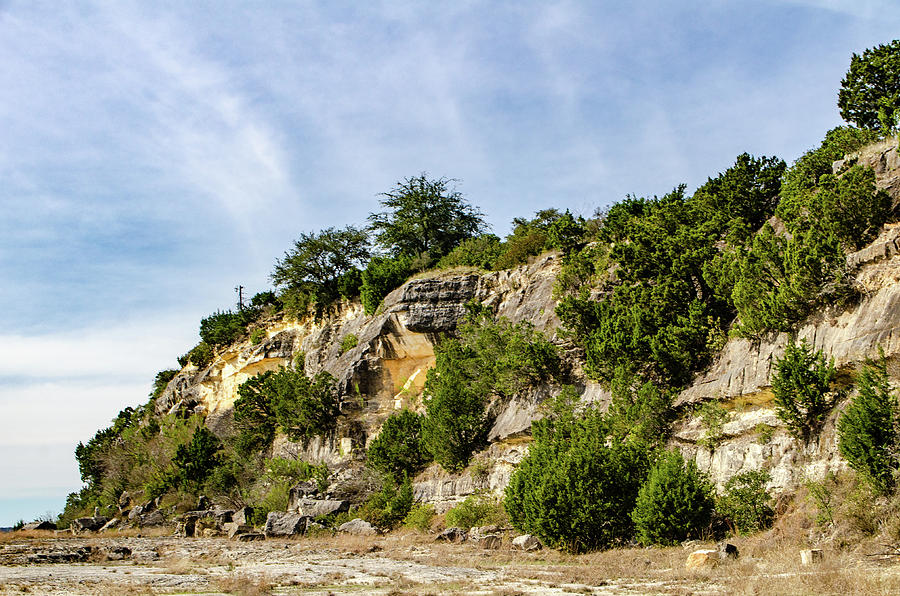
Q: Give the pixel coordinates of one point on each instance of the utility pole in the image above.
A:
(240, 292)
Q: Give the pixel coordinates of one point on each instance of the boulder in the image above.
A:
(488, 541)
(88, 524)
(39, 525)
(154, 518)
(279, 523)
(454, 534)
(135, 513)
(526, 542)
(699, 559)
(250, 537)
(358, 527)
(111, 524)
(811, 556)
(125, 500)
(234, 528)
(317, 507)
(203, 502)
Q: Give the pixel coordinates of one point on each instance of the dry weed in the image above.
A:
(241, 584)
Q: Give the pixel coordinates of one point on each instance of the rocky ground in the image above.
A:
(412, 564)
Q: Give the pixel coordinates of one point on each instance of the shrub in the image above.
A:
(746, 503)
(674, 504)
(577, 485)
(869, 429)
(257, 335)
(802, 385)
(222, 328)
(200, 356)
(398, 450)
(713, 416)
(852, 206)
(481, 251)
(194, 462)
(349, 342)
(389, 506)
(381, 276)
(419, 517)
(476, 510)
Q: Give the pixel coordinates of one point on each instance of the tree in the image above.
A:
(746, 503)
(398, 450)
(675, 503)
(424, 218)
(318, 261)
(577, 485)
(870, 92)
(869, 429)
(802, 386)
(195, 460)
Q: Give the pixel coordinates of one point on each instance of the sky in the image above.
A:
(155, 155)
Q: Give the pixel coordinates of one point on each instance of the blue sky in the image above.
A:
(153, 157)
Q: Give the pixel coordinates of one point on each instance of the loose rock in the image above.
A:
(527, 542)
(285, 524)
(702, 558)
(454, 534)
(358, 527)
(811, 556)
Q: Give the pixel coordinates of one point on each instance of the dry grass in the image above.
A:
(241, 584)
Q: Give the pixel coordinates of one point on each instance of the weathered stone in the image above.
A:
(488, 541)
(454, 534)
(317, 507)
(358, 527)
(203, 502)
(135, 513)
(111, 524)
(527, 542)
(280, 523)
(154, 518)
(210, 532)
(702, 558)
(302, 490)
(234, 528)
(39, 525)
(811, 556)
(250, 537)
(145, 556)
(88, 524)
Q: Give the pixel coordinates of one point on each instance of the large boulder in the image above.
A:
(453, 534)
(703, 558)
(279, 523)
(242, 515)
(317, 507)
(88, 524)
(358, 527)
(526, 542)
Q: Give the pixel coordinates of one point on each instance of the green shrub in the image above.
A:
(389, 506)
(194, 461)
(381, 276)
(222, 328)
(713, 416)
(639, 412)
(489, 359)
(350, 283)
(852, 206)
(200, 356)
(257, 336)
(802, 383)
(869, 429)
(476, 510)
(481, 251)
(398, 450)
(674, 504)
(349, 342)
(287, 400)
(746, 503)
(419, 517)
(578, 484)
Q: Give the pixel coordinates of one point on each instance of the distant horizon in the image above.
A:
(157, 156)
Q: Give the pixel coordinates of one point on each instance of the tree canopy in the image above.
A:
(318, 261)
(424, 217)
(870, 91)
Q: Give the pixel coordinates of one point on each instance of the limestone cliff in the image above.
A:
(386, 369)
